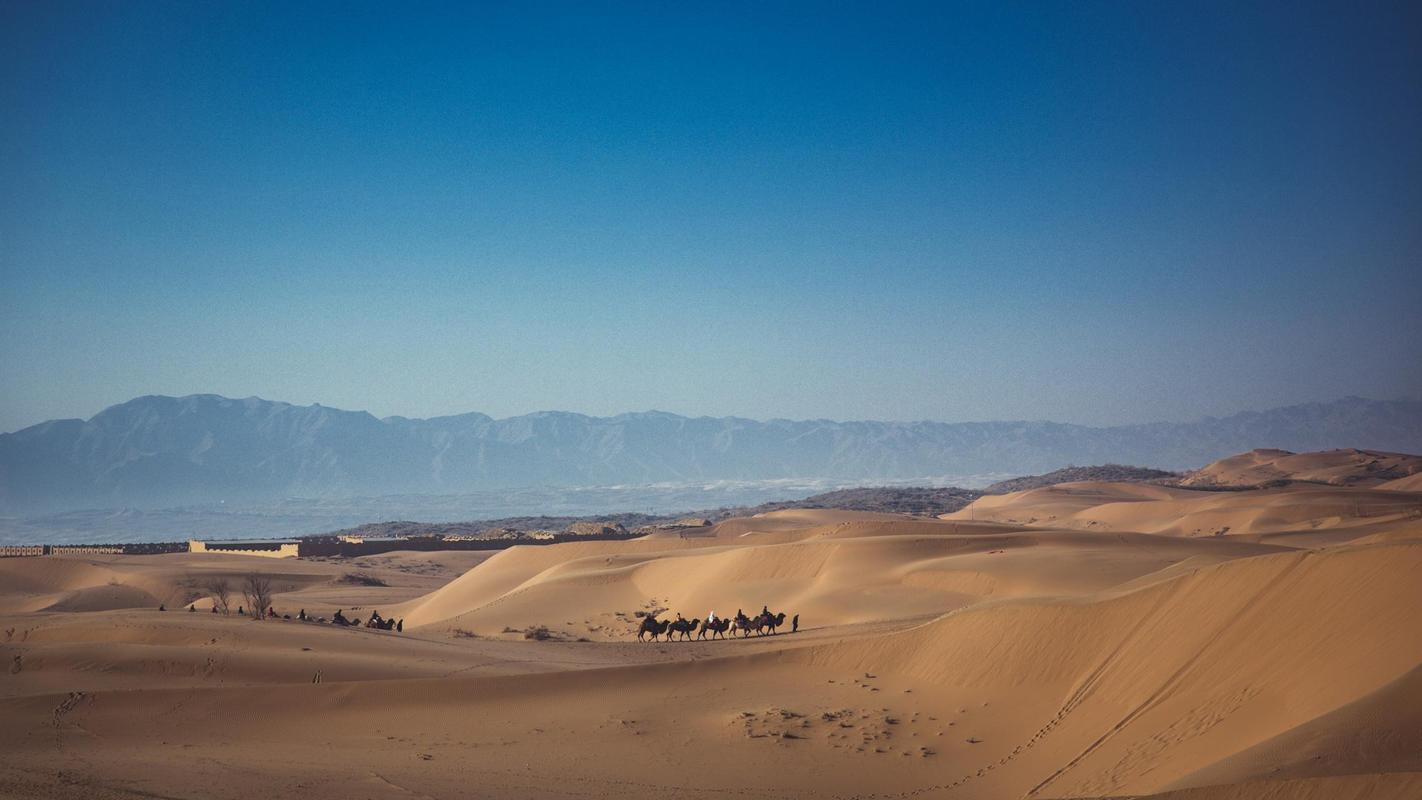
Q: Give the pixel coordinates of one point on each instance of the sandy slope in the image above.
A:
(960, 658)
(1345, 467)
(1412, 483)
(1298, 514)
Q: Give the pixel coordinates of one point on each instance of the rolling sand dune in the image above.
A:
(1412, 483)
(1084, 640)
(1346, 467)
(1300, 514)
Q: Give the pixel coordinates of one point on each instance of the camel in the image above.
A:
(758, 624)
(772, 621)
(745, 625)
(653, 626)
(683, 627)
(717, 628)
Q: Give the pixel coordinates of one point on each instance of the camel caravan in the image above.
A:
(680, 629)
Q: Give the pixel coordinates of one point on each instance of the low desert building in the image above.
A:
(264, 548)
(85, 549)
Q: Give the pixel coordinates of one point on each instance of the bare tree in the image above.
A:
(221, 590)
(258, 591)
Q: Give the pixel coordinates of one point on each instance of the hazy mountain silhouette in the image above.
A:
(163, 451)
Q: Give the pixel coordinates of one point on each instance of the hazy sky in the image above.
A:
(1099, 214)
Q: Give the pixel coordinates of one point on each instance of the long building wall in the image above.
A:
(333, 547)
(139, 549)
(263, 550)
(319, 547)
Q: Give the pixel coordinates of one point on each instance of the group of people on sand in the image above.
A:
(375, 622)
(761, 624)
(339, 618)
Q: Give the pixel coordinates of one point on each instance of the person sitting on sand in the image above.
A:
(400, 626)
(191, 608)
(161, 607)
(339, 618)
(301, 615)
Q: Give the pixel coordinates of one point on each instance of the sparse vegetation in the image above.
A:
(1117, 473)
(219, 588)
(362, 579)
(257, 589)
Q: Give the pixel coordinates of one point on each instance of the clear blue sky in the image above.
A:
(1093, 213)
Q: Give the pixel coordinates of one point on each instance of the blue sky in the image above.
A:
(1097, 213)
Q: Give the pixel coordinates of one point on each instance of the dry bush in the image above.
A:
(220, 589)
(362, 579)
(257, 589)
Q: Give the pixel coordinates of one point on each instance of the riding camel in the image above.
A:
(717, 628)
(744, 625)
(653, 626)
(684, 627)
(772, 621)
(758, 624)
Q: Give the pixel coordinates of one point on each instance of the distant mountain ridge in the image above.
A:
(158, 451)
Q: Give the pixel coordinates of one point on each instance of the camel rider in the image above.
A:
(765, 611)
(711, 618)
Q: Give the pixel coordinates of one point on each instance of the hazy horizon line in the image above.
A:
(653, 411)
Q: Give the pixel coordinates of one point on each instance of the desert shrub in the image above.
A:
(362, 579)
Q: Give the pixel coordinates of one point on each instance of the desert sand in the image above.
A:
(1083, 640)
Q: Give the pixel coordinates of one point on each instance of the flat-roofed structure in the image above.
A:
(85, 550)
(263, 548)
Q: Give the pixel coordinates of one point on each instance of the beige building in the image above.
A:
(86, 550)
(262, 548)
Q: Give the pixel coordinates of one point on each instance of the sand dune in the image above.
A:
(1346, 467)
(832, 569)
(103, 583)
(1299, 514)
(1412, 483)
(1084, 640)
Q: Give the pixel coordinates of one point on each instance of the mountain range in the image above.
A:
(158, 451)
